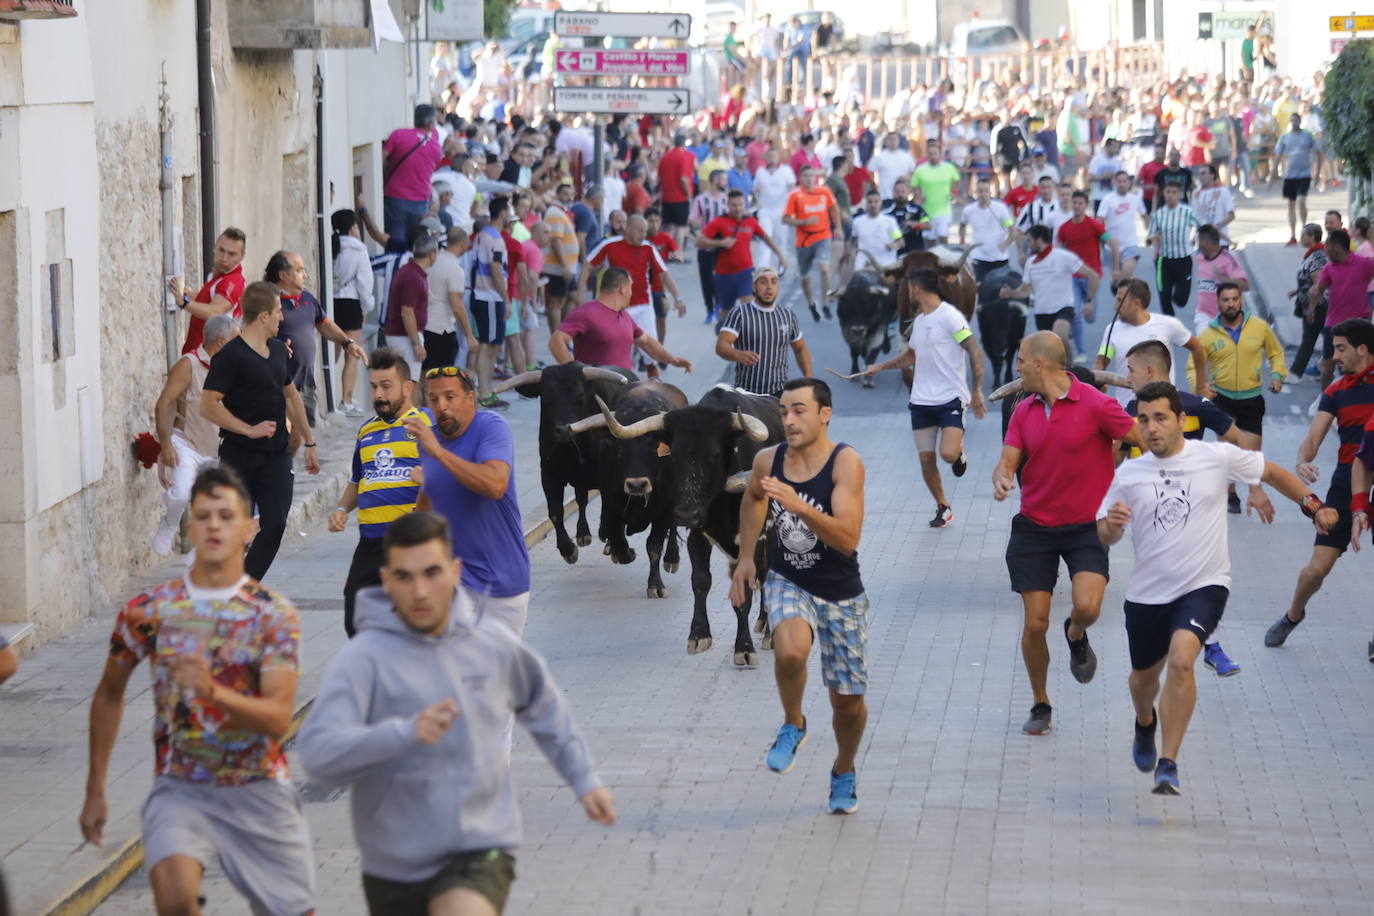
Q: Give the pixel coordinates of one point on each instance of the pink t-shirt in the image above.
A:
(601, 335)
(1346, 283)
(534, 257)
(1068, 454)
(410, 180)
(1210, 273)
(1366, 250)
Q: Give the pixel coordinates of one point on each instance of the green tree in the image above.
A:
(496, 16)
(1348, 114)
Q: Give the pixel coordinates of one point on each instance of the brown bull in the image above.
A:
(957, 287)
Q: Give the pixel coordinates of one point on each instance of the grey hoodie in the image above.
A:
(415, 806)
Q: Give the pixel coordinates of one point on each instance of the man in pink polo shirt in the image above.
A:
(599, 332)
(1347, 276)
(1066, 432)
(409, 158)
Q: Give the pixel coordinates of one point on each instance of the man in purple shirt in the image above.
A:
(409, 158)
(602, 334)
(1347, 276)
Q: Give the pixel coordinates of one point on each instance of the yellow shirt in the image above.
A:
(1236, 367)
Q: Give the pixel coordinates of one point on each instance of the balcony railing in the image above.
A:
(36, 9)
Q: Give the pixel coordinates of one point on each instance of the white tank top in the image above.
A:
(202, 435)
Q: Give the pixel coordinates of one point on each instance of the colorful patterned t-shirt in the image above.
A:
(241, 632)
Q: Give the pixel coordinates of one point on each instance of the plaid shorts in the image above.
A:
(841, 627)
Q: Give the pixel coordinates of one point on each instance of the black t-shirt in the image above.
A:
(253, 389)
(907, 213)
(1182, 177)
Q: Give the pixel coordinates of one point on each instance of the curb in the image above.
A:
(90, 893)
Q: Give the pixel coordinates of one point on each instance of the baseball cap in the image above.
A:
(1037, 151)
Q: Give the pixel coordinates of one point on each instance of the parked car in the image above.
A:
(810, 19)
(985, 36)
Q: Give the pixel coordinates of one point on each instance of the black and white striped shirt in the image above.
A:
(1173, 225)
(1038, 213)
(769, 332)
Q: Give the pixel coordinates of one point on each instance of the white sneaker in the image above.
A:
(162, 541)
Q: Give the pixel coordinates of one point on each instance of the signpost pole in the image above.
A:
(598, 165)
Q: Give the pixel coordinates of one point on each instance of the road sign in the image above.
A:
(622, 25)
(605, 100)
(453, 20)
(1352, 23)
(1338, 45)
(623, 63)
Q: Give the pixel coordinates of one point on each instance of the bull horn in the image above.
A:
(752, 427)
(634, 430)
(597, 374)
(1010, 388)
(737, 483)
(595, 421)
(1103, 377)
(524, 378)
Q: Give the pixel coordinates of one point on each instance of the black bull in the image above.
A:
(710, 447)
(867, 308)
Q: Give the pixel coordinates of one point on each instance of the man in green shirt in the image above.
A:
(937, 177)
(734, 54)
(1247, 55)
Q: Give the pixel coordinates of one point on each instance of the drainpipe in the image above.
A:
(209, 160)
(325, 266)
(166, 185)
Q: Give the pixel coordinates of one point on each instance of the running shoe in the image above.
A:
(960, 465)
(1082, 658)
(710, 316)
(1371, 650)
(1278, 633)
(1166, 777)
(1143, 749)
(943, 516)
(1233, 503)
(825, 310)
(1215, 657)
(1039, 721)
(500, 373)
(1292, 242)
(492, 402)
(782, 756)
(815, 312)
(162, 542)
(844, 799)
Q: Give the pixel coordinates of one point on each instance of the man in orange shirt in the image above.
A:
(813, 211)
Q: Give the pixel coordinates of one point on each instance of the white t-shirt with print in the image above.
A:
(1121, 214)
(938, 341)
(1120, 336)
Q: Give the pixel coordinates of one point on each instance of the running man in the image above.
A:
(1349, 403)
(991, 222)
(813, 211)
(434, 810)
(1135, 323)
(813, 491)
(773, 184)
(1066, 432)
(937, 178)
(1123, 212)
(731, 236)
(1174, 500)
(940, 338)
(1170, 228)
(877, 235)
(756, 336)
(1297, 148)
(224, 652)
(634, 254)
(1049, 276)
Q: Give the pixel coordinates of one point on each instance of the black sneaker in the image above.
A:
(1166, 777)
(815, 312)
(1143, 750)
(943, 516)
(960, 465)
(1371, 650)
(1039, 721)
(825, 309)
(1082, 658)
(1275, 635)
(1233, 503)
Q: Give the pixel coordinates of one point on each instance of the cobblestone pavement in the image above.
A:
(960, 812)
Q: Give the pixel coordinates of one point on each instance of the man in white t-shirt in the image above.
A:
(877, 235)
(991, 221)
(1048, 278)
(1102, 168)
(940, 341)
(891, 163)
(1213, 203)
(1123, 213)
(448, 304)
(1135, 322)
(1174, 501)
(772, 185)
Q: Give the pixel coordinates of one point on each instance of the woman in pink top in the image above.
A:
(1365, 249)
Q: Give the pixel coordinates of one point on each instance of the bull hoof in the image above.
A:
(570, 556)
(868, 381)
(746, 659)
(767, 642)
(606, 551)
(584, 540)
(656, 591)
(623, 559)
(669, 567)
(698, 646)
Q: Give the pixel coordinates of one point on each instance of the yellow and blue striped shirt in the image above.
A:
(383, 459)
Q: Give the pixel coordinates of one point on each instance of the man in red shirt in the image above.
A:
(633, 253)
(598, 334)
(667, 248)
(1067, 432)
(636, 199)
(1084, 235)
(1023, 193)
(731, 236)
(515, 295)
(1148, 171)
(858, 181)
(676, 170)
(220, 294)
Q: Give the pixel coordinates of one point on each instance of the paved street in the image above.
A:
(960, 812)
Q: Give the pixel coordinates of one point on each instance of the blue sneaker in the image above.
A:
(1166, 777)
(844, 799)
(782, 756)
(1215, 657)
(1143, 750)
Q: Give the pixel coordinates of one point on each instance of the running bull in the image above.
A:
(867, 308)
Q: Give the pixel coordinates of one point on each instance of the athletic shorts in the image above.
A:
(948, 414)
(488, 320)
(1328, 344)
(440, 350)
(406, 351)
(1131, 253)
(1338, 498)
(1247, 412)
(1151, 627)
(557, 286)
(348, 314)
(513, 317)
(731, 288)
(1293, 188)
(808, 256)
(841, 627)
(939, 227)
(675, 214)
(660, 304)
(489, 872)
(257, 830)
(1034, 551)
(1046, 322)
(530, 320)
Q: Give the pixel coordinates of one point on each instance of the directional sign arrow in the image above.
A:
(676, 26)
(676, 101)
(593, 24)
(607, 100)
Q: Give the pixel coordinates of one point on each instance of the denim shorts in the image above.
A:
(841, 627)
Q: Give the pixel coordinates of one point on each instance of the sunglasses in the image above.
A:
(450, 372)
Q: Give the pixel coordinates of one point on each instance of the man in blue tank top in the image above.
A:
(813, 489)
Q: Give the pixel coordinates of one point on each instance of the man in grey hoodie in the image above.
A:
(411, 715)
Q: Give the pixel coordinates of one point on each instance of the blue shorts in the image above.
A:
(731, 288)
(1151, 627)
(841, 627)
(924, 416)
(488, 320)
